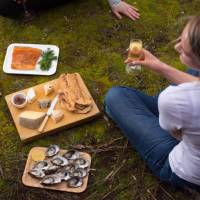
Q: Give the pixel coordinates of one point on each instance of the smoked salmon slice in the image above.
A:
(25, 58)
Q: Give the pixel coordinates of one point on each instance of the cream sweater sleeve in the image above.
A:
(114, 2)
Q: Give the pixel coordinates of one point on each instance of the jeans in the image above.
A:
(137, 116)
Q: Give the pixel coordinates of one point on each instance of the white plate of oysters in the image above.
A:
(56, 169)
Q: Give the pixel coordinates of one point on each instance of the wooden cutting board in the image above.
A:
(33, 182)
(70, 119)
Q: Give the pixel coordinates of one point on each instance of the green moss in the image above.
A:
(93, 43)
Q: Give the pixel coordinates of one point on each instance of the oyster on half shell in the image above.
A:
(75, 182)
(71, 167)
(80, 172)
(72, 154)
(51, 180)
(37, 173)
(52, 150)
(51, 169)
(64, 175)
(41, 165)
(59, 160)
(82, 163)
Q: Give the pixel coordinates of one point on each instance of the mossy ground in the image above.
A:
(93, 43)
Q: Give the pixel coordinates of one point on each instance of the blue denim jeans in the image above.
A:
(137, 116)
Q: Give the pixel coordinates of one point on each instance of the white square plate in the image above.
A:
(37, 71)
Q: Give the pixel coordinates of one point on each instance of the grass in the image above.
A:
(92, 42)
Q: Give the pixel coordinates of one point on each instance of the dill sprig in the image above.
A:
(47, 57)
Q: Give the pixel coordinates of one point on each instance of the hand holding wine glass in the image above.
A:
(149, 60)
(134, 54)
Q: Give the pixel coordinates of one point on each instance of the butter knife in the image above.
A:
(49, 112)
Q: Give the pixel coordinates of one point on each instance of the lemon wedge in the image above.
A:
(37, 155)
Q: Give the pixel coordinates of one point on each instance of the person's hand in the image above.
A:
(125, 9)
(148, 60)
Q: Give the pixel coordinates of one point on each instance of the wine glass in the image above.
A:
(134, 54)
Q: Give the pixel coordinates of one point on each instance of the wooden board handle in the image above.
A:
(43, 124)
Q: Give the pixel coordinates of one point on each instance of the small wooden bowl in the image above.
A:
(19, 96)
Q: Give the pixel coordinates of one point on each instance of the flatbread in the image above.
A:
(72, 96)
(25, 58)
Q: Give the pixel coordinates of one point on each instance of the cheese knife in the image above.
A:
(49, 112)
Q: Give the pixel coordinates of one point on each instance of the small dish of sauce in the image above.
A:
(19, 100)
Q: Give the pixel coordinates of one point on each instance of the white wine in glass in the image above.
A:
(134, 54)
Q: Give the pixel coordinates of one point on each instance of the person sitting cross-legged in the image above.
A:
(165, 129)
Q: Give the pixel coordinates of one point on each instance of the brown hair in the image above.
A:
(194, 35)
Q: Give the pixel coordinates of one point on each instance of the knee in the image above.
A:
(112, 95)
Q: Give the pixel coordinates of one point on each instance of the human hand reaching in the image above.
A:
(125, 9)
(148, 60)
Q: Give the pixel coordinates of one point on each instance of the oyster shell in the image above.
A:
(75, 182)
(51, 169)
(80, 172)
(72, 154)
(59, 160)
(82, 163)
(37, 173)
(41, 165)
(51, 180)
(64, 175)
(71, 167)
(52, 150)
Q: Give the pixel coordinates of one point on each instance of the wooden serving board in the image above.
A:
(70, 119)
(34, 182)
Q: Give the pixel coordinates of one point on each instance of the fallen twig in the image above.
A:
(109, 175)
(112, 148)
(91, 195)
(1, 171)
(126, 145)
(134, 177)
(97, 148)
(111, 142)
(167, 193)
(93, 149)
(118, 169)
(153, 197)
(115, 189)
(109, 193)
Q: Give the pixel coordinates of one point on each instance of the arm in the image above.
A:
(174, 75)
(120, 7)
(170, 115)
